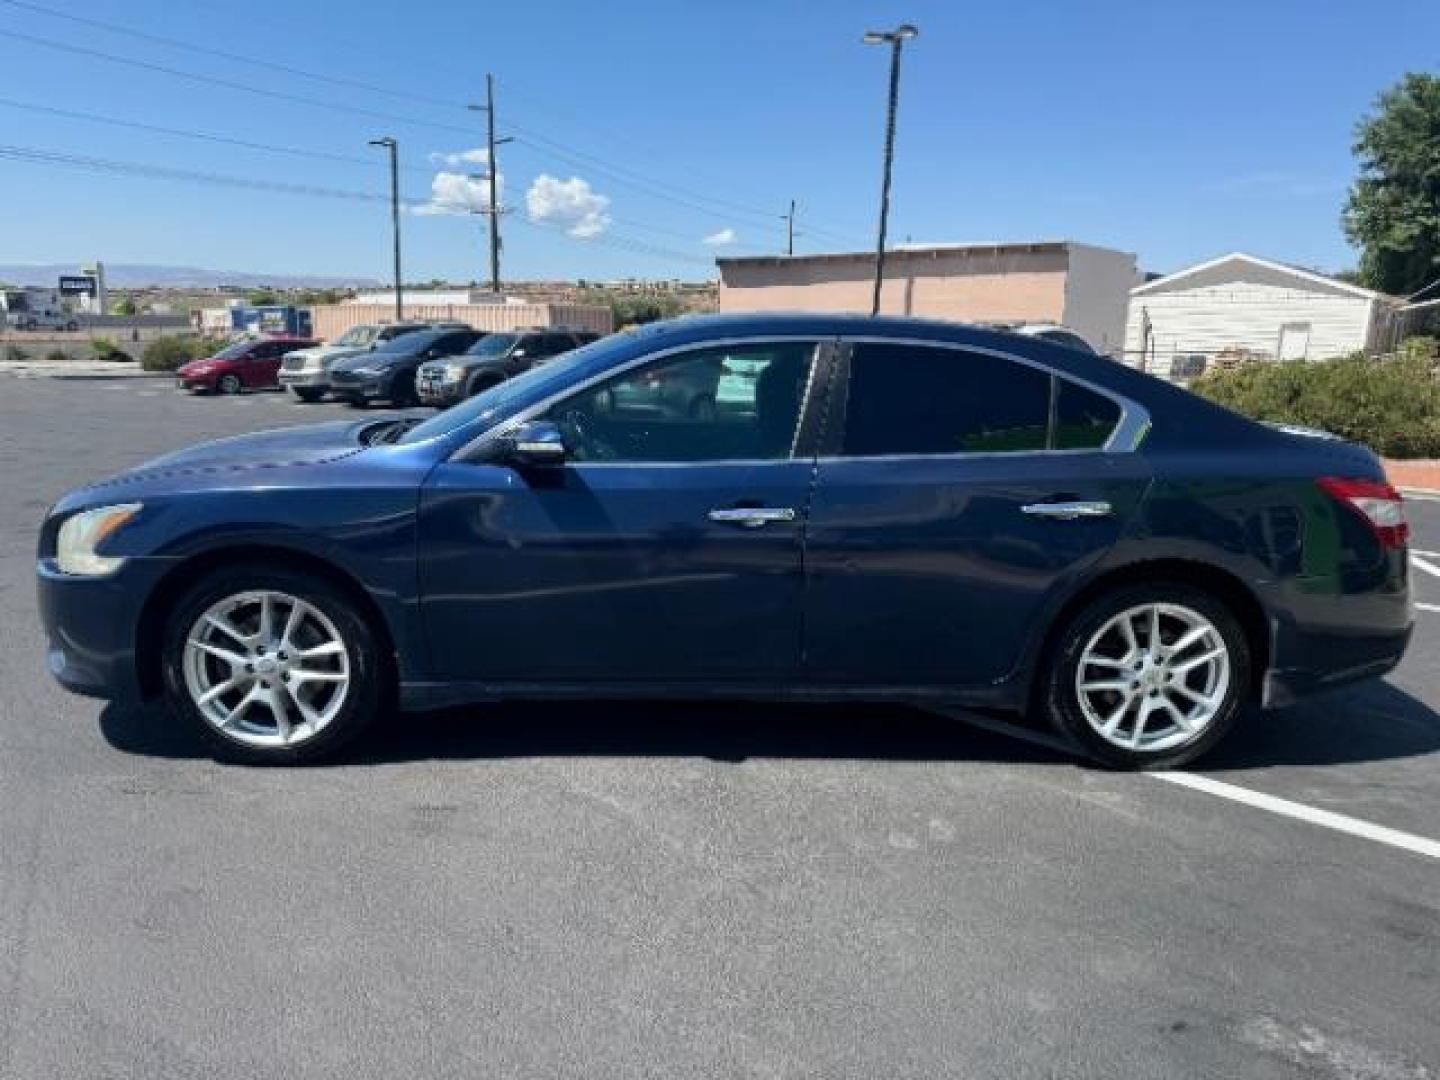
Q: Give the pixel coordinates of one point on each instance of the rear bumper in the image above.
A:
(1323, 662)
(90, 626)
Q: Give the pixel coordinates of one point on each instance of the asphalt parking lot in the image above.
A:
(596, 891)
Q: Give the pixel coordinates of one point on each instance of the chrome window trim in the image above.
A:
(472, 447)
(1126, 438)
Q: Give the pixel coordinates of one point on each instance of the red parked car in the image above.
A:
(245, 365)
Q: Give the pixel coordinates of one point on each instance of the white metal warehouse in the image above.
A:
(1244, 306)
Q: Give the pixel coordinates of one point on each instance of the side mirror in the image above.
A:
(537, 443)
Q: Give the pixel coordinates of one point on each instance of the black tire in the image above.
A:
(309, 396)
(228, 384)
(369, 678)
(481, 383)
(403, 393)
(1059, 698)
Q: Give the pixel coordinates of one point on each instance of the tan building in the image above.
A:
(1085, 288)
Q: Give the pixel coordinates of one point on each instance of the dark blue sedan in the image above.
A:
(875, 509)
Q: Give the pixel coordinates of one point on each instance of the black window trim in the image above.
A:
(1129, 431)
(810, 428)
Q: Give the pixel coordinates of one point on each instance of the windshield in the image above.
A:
(356, 335)
(514, 394)
(492, 345)
(234, 352)
(410, 343)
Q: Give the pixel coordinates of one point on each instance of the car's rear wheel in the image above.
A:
(1148, 676)
(228, 384)
(271, 666)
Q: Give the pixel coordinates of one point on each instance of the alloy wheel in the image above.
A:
(1153, 677)
(266, 668)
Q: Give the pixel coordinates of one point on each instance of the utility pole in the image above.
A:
(790, 229)
(394, 148)
(492, 168)
(896, 40)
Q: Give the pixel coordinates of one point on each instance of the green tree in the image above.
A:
(261, 297)
(1393, 213)
(124, 306)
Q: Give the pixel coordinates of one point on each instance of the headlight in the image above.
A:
(82, 534)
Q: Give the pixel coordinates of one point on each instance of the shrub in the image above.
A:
(57, 356)
(1392, 405)
(169, 353)
(105, 349)
(14, 354)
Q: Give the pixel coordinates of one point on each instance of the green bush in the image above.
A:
(1392, 405)
(57, 356)
(14, 354)
(105, 349)
(169, 353)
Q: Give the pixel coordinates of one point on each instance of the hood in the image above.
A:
(329, 352)
(378, 359)
(195, 367)
(308, 445)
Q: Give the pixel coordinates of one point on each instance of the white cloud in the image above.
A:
(456, 192)
(721, 238)
(477, 156)
(568, 203)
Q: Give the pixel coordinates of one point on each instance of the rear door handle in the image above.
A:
(1067, 511)
(752, 517)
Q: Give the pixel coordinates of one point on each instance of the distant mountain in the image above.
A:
(135, 275)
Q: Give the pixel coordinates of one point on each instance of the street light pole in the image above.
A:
(790, 229)
(896, 40)
(394, 148)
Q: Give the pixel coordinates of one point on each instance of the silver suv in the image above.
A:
(306, 372)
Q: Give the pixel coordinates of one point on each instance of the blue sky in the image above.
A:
(1177, 131)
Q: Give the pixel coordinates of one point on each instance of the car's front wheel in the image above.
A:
(272, 666)
(309, 396)
(1148, 676)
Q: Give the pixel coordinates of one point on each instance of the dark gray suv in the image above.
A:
(491, 360)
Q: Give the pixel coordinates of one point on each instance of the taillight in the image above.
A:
(1378, 503)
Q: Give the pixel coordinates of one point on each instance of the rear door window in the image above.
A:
(928, 400)
(916, 399)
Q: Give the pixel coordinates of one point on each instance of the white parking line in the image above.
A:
(1300, 812)
(1425, 564)
(1326, 819)
(1426, 607)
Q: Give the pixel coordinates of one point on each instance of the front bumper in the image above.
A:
(91, 626)
(195, 382)
(305, 380)
(437, 392)
(362, 388)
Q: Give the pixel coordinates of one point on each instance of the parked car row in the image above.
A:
(437, 364)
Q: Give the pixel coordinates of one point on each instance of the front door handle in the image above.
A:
(752, 517)
(1067, 511)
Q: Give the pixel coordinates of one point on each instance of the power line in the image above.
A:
(540, 142)
(230, 84)
(165, 172)
(205, 136)
(206, 50)
(144, 170)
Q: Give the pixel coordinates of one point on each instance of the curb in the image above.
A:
(20, 371)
